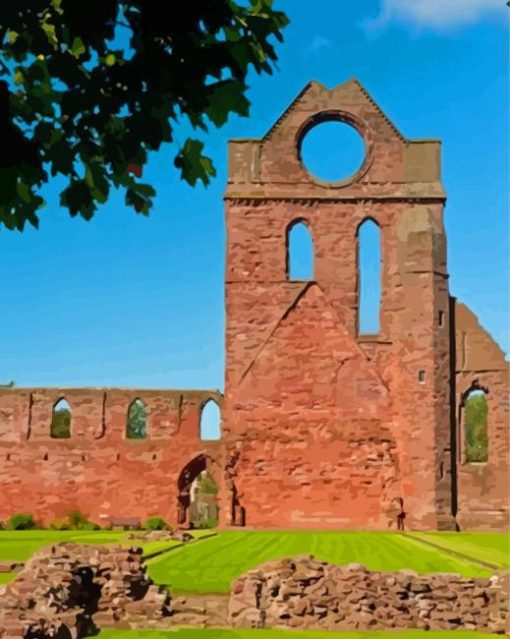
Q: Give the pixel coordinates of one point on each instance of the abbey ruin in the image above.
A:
(322, 426)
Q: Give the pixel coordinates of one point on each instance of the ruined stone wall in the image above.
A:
(322, 426)
(303, 593)
(484, 487)
(98, 469)
(310, 400)
(71, 590)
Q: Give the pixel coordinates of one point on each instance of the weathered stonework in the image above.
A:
(483, 488)
(98, 470)
(322, 427)
(68, 590)
(335, 428)
(304, 593)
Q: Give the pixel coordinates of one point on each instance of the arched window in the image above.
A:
(61, 420)
(300, 253)
(210, 421)
(476, 411)
(136, 427)
(369, 278)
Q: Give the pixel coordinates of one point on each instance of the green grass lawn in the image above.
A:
(216, 633)
(211, 565)
(487, 546)
(19, 545)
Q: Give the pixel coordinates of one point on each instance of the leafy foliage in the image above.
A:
(78, 521)
(156, 523)
(476, 414)
(60, 427)
(204, 507)
(88, 89)
(75, 520)
(206, 485)
(137, 421)
(21, 521)
(60, 524)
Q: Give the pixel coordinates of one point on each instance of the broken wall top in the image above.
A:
(476, 349)
(393, 167)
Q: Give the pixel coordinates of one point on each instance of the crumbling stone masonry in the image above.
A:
(322, 426)
(304, 593)
(69, 590)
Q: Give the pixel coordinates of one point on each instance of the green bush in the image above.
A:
(59, 524)
(206, 485)
(207, 523)
(2, 525)
(75, 520)
(78, 521)
(156, 523)
(90, 525)
(21, 521)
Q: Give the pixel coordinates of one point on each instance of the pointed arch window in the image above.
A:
(61, 420)
(136, 427)
(476, 413)
(369, 278)
(300, 252)
(210, 421)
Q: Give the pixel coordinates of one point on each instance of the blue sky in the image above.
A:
(133, 301)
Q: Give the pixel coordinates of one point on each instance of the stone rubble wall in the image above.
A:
(161, 535)
(68, 589)
(305, 593)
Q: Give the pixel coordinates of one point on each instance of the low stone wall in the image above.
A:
(305, 593)
(68, 590)
(161, 535)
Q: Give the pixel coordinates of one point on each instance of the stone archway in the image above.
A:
(191, 472)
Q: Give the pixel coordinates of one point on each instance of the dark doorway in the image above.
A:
(197, 501)
(238, 511)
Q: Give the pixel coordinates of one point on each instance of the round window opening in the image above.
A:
(332, 151)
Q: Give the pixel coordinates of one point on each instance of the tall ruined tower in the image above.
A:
(331, 427)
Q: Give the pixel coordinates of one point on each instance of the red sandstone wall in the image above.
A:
(484, 488)
(98, 470)
(333, 426)
(322, 427)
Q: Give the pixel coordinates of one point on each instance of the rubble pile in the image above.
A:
(306, 593)
(69, 590)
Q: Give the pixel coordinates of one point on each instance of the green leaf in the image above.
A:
(61, 155)
(77, 48)
(110, 59)
(139, 197)
(78, 199)
(193, 165)
(224, 98)
(97, 182)
(19, 78)
(23, 191)
(56, 4)
(49, 30)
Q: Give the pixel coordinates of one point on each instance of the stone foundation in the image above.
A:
(308, 594)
